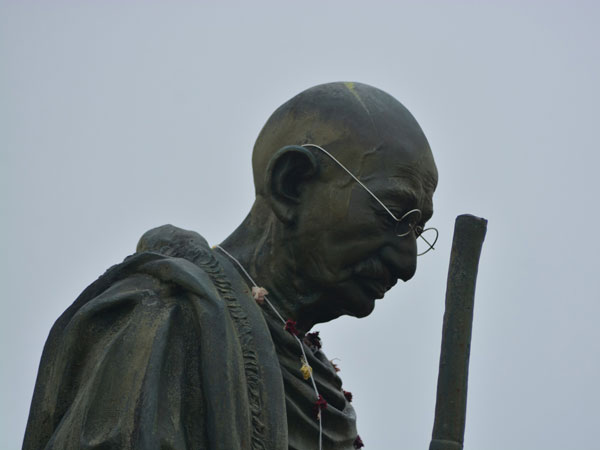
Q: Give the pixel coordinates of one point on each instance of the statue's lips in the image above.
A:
(374, 278)
(373, 287)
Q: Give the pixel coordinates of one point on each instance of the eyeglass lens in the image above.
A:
(426, 240)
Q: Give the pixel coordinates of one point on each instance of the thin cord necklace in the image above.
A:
(289, 326)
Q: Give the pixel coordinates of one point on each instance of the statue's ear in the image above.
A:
(288, 170)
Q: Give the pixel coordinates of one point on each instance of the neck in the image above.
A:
(261, 244)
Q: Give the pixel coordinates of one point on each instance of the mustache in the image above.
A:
(373, 268)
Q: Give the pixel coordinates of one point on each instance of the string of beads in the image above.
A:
(260, 296)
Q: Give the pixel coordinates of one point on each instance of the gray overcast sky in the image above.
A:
(116, 117)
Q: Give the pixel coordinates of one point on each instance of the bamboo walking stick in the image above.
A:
(451, 403)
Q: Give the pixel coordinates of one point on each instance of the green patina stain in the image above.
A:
(350, 86)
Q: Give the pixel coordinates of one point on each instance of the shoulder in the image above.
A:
(182, 257)
(171, 241)
(166, 258)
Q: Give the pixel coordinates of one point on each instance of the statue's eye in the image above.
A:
(385, 216)
(397, 213)
(388, 221)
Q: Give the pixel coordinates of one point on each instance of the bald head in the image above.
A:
(320, 238)
(356, 122)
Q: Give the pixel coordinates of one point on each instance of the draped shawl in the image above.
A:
(168, 350)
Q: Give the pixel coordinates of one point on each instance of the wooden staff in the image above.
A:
(451, 403)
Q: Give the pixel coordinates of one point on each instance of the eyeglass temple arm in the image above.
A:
(355, 179)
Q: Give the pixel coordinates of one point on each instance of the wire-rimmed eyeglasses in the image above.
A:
(408, 223)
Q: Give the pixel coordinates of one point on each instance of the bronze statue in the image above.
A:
(184, 346)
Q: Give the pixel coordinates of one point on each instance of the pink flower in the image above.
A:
(259, 294)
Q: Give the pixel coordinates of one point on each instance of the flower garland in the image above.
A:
(312, 340)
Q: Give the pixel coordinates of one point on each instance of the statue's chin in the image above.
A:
(349, 299)
(360, 309)
(368, 309)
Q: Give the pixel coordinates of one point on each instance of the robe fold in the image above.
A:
(168, 350)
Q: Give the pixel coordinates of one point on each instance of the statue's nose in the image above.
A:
(400, 258)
